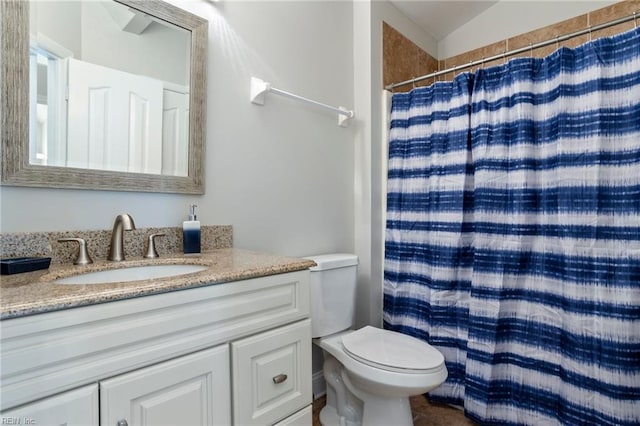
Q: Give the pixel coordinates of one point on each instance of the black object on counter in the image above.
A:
(18, 265)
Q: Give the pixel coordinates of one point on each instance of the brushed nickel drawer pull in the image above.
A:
(279, 378)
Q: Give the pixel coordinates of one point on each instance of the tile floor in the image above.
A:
(424, 413)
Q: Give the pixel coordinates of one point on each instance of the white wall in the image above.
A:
(371, 147)
(509, 18)
(281, 174)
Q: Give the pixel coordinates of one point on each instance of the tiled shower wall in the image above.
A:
(404, 60)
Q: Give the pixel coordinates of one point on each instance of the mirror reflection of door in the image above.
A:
(117, 120)
(175, 131)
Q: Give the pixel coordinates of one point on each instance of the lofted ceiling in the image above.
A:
(440, 18)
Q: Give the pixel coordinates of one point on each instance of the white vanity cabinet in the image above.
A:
(172, 358)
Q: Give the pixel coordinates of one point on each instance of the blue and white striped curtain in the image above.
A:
(513, 234)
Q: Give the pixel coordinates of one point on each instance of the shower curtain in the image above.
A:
(513, 234)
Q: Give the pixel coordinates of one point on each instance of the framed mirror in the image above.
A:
(104, 95)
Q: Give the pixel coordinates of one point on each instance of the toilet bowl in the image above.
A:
(370, 372)
(404, 371)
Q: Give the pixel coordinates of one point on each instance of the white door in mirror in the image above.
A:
(115, 120)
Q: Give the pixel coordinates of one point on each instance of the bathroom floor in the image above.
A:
(424, 413)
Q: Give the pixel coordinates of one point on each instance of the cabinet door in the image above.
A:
(78, 407)
(190, 390)
(272, 374)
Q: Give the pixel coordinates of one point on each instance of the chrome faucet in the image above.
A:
(123, 222)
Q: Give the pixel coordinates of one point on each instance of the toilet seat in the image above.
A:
(392, 351)
(380, 380)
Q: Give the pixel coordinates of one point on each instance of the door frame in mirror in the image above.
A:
(15, 169)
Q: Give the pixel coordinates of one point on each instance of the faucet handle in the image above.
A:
(151, 246)
(83, 254)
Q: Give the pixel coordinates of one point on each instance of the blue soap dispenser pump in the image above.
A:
(191, 232)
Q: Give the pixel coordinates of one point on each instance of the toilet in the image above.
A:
(370, 372)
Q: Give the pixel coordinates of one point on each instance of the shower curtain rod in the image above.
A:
(516, 51)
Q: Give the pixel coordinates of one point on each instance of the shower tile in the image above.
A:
(611, 31)
(402, 59)
(476, 54)
(548, 33)
(404, 88)
(615, 11)
(427, 64)
(495, 63)
(610, 13)
(399, 57)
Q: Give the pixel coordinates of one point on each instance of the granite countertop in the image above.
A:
(34, 292)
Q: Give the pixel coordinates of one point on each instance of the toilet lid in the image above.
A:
(391, 350)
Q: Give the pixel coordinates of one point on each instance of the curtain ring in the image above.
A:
(557, 44)
(590, 38)
(530, 49)
(504, 57)
(413, 82)
(635, 20)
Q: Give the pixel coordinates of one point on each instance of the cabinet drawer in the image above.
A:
(272, 374)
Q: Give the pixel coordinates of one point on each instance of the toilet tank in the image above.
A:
(333, 293)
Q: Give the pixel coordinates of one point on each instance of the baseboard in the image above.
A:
(319, 386)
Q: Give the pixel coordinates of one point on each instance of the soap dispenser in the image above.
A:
(191, 232)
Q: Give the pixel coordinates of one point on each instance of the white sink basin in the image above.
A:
(135, 273)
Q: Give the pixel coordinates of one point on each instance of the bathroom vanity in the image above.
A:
(229, 345)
